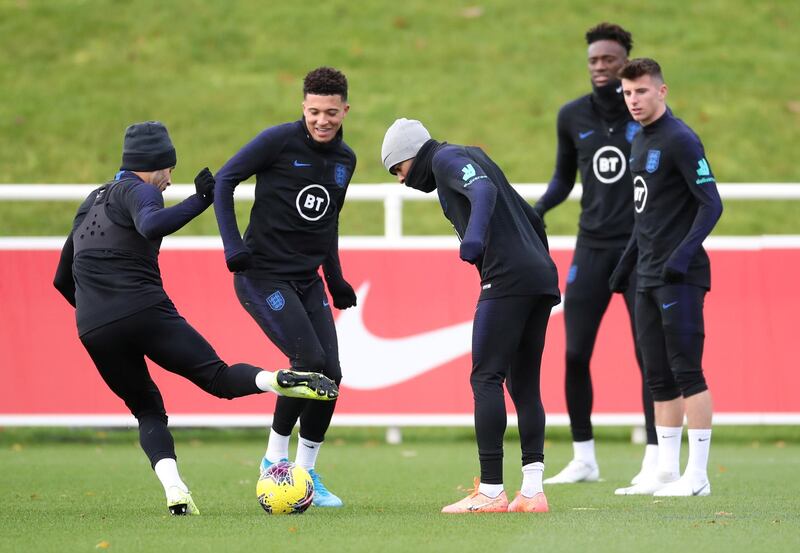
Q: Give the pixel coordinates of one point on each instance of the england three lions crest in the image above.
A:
(340, 174)
(653, 157)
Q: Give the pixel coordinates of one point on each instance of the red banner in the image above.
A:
(405, 348)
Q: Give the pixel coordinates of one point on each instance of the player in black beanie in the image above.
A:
(109, 272)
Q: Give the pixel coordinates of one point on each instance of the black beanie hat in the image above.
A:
(147, 147)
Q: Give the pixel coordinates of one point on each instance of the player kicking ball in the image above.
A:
(109, 272)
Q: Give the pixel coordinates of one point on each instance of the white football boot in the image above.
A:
(575, 471)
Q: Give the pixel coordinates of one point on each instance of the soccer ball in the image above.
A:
(285, 489)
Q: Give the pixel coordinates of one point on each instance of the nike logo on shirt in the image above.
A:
(301, 164)
(583, 135)
(398, 359)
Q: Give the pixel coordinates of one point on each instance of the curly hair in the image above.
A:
(325, 81)
(639, 67)
(610, 31)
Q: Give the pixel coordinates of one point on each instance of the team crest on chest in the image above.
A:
(653, 157)
(340, 174)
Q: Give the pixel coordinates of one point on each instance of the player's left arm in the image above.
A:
(464, 176)
(690, 160)
(153, 220)
(341, 291)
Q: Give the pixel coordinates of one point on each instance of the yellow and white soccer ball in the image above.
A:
(285, 489)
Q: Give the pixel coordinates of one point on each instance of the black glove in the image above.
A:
(342, 293)
(618, 282)
(239, 262)
(204, 185)
(670, 275)
(470, 251)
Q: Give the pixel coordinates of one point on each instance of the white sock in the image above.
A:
(532, 479)
(167, 472)
(307, 452)
(277, 447)
(669, 451)
(490, 490)
(699, 445)
(584, 451)
(264, 381)
(650, 460)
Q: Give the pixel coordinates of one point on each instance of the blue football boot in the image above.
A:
(265, 464)
(322, 495)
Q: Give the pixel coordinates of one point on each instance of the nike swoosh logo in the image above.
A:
(583, 135)
(479, 506)
(300, 164)
(372, 362)
(674, 435)
(703, 439)
(668, 305)
(697, 491)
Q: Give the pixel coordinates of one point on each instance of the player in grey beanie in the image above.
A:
(402, 142)
(504, 238)
(147, 147)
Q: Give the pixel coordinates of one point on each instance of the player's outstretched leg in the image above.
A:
(304, 385)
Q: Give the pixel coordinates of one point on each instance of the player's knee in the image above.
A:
(577, 362)
(663, 387)
(691, 382)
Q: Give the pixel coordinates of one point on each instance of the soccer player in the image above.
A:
(594, 135)
(302, 172)
(504, 238)
(677, 205)
(109, 272)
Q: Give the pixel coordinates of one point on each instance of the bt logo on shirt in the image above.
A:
(312, 202)
(609, 164)
(639, 194)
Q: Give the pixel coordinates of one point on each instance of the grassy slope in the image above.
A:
(73, 496)
(74, 73)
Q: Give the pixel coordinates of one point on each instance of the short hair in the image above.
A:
(325, 81)
(610, 31)
(639, 67)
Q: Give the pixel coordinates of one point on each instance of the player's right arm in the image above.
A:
(563, 180)
(255, 156)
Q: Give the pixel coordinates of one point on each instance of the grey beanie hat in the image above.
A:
(147, 147)
(402, 141)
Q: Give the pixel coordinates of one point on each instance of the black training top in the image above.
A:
(109, 264)
(594, 135)
(300, 190)
(485, 210)
(676, 204)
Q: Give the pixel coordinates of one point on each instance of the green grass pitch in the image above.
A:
(84, 491)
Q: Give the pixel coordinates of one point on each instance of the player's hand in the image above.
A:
(342, 293)
(671, 275)
(204, 185)
(470, 251)
(239, 262)
(619, 281)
